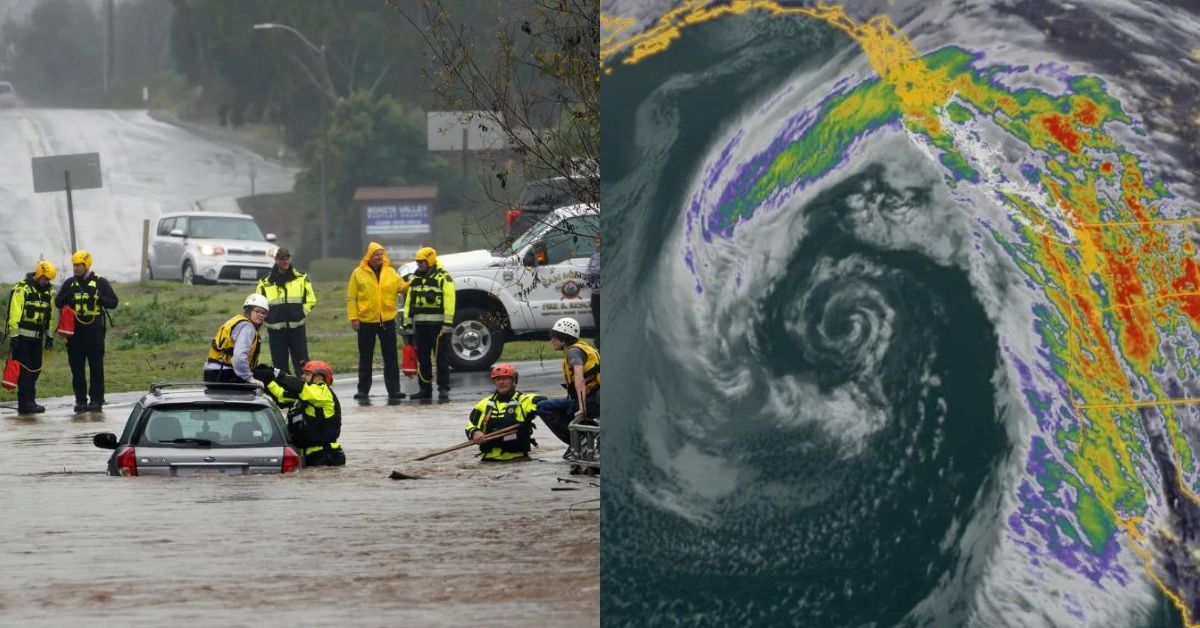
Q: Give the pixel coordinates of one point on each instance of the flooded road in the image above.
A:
(465, 545)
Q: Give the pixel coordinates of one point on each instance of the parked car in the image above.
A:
(210, 247)
(8, 95)
(520, 290)
(541, 197)
(190, 429)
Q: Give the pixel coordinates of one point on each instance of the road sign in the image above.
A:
(445, 130)
(59, 173)
(50, 173)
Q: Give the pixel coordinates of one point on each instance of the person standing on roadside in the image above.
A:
(291, 297)
(90, 296)
(30, 316)
(429, 312)
(371, 297)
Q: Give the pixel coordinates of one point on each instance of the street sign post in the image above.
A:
(463, 131)
(57, 173)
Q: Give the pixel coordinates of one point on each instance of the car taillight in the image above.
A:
(126, 464)
(511, 216)
(291, 460)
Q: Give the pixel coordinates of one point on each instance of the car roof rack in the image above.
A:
(156, 389)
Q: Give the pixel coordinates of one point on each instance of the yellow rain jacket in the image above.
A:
(371, 299)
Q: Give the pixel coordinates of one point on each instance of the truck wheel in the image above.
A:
(477, 340)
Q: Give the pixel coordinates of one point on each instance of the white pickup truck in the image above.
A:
(520, 290)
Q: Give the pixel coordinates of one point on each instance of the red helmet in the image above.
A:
(504, 370)
(317, 367)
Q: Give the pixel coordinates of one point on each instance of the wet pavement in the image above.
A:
(465, 545)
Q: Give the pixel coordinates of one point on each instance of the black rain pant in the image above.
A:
(284, 341)
(386, 332)
(426, 337)
(86, 349)
(27, 351)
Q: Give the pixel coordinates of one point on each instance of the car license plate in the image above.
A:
(249, 273)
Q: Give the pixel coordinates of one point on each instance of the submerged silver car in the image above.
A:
(185, 429)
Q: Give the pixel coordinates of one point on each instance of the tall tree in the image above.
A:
(540, 76)
(250, 72)
(58, 53)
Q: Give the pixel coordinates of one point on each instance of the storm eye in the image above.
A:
(832, 318)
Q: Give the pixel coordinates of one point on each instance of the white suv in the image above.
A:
(210, 247)
(520, 290)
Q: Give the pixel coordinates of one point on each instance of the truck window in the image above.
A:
(571, 239)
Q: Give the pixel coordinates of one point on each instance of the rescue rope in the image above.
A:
(437, 343)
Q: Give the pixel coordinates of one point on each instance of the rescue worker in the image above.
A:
(429, 313)
(90, 296)
(371, 296)
(504, 408)
(581, 378)
(291, 297)
(314, 411)
(28, 326)
(234, 349)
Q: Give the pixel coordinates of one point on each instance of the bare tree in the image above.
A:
(539, 73)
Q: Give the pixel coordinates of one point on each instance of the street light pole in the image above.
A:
(320, 52)
(324, 173)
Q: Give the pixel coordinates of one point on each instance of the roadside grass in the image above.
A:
(162, 331)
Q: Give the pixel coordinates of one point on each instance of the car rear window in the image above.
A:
(223, 426)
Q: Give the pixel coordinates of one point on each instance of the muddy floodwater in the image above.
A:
(467, 544)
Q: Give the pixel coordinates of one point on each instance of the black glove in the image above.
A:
(49, 342)
(264, 373)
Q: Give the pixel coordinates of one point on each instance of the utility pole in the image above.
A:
(464, 189)
(324, 172)
(327, 93)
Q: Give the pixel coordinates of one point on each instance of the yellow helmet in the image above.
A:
(82, 257)
(44, 269)
(427, 254)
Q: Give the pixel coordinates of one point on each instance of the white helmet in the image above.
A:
(568, 326)
(256, 300)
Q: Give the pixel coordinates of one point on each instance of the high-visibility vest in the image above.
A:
(290, 303)
(221, 351)
(322, 414)
(493, 414)
(591, 370)
(84, 300)
(430, 299)
(30, 309)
